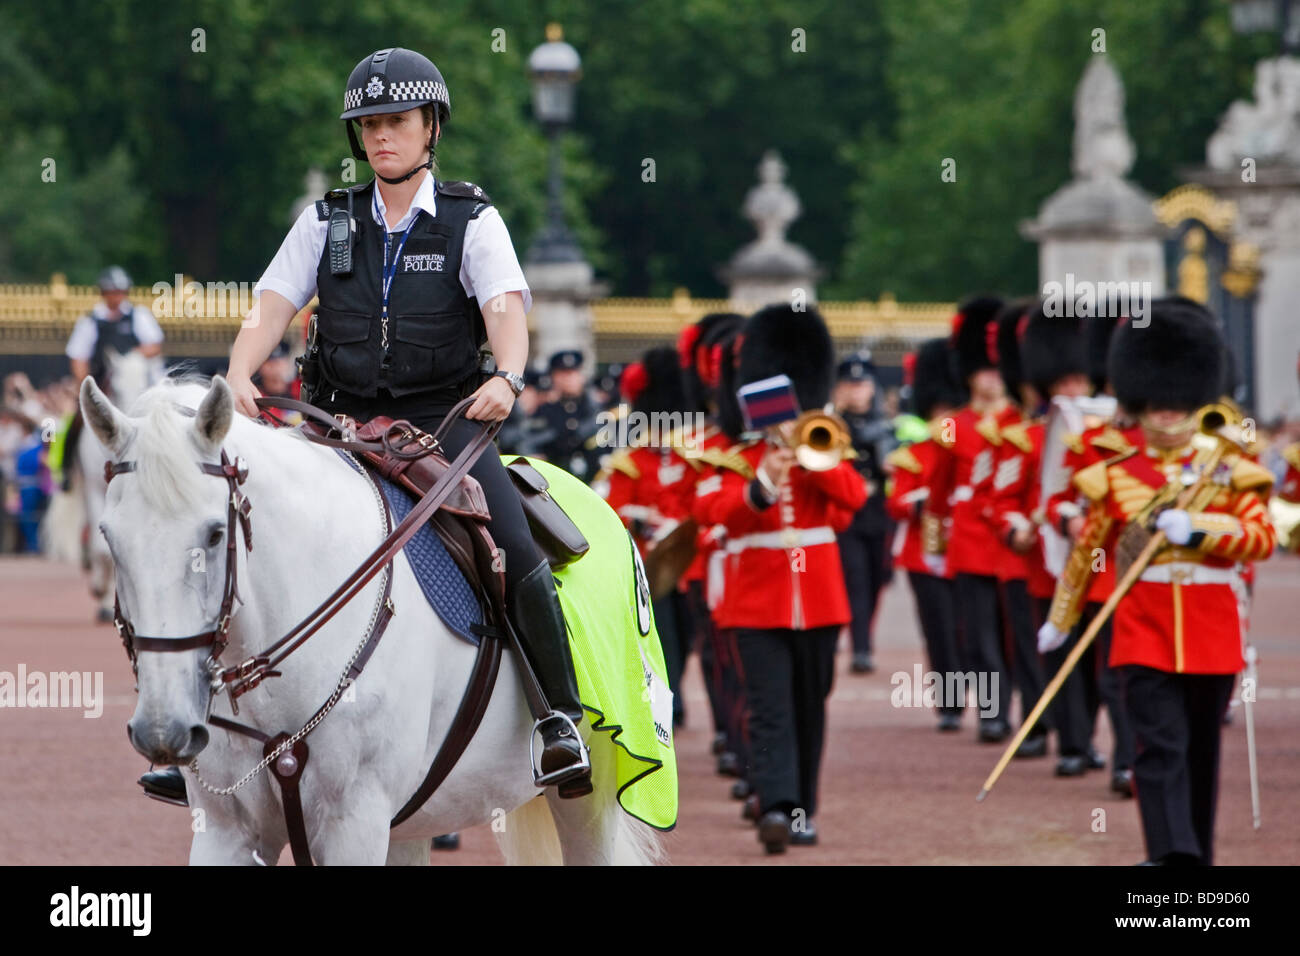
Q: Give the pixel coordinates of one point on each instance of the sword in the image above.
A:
(1248, 684)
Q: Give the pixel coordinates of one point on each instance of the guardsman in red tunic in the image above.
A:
(785, 593)
(1177, 636)
(700, 350)
(1014, 471)
(1094, 681)
(651, 483)
(969, 443)
(935, 394)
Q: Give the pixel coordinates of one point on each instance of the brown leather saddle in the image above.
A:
(411, 459)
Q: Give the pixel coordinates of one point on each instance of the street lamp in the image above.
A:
(554, 69)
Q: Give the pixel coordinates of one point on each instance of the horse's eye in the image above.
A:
(214, 537)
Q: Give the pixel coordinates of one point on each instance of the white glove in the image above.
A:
(1176, 524)
(1049, 638)
(937, 564)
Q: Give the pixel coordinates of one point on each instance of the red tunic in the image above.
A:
(963, 484)
(912, 472)
(1289, 490)
(783, 563)
(1015, 503)
(1186, 623)
(650, 488)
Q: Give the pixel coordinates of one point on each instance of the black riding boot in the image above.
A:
(166, 785)
(539, 620)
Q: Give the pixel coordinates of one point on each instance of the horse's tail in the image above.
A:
(636, 844)
(528, 836)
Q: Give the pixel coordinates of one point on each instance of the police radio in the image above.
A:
(340, 240)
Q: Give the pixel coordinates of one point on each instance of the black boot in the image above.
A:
(539, 620)
(166, 785)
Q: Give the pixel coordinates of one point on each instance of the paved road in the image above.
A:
(895, 791)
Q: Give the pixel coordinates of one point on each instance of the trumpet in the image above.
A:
(820, 440)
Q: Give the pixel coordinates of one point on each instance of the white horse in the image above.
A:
(314, 520)
(129, 376)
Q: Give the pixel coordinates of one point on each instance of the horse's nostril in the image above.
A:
(198, 739)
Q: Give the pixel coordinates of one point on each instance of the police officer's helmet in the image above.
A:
(393, 81)
(114, 279)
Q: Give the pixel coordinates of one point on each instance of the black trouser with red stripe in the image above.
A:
(1177, 720)
(981, 628)
(788, 676)
(934, 608)
(1028, 671)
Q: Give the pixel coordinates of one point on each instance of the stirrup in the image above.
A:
(582, 767)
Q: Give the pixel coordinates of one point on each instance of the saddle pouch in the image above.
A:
(553, 530)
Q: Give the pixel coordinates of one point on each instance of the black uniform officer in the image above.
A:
(864, 547)
(571, 418)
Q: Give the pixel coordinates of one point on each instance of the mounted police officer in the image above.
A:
(413, 274)
(114, 324)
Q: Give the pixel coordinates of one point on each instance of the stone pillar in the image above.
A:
(561, 316)
(771, 269)
(1253, 159)
(1099, 227)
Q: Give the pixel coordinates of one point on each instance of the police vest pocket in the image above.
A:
(342, 328)
(434, 350)
(347, 359)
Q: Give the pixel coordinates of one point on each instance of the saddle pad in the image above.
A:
(441, 580)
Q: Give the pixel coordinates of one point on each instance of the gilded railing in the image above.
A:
(37, 319)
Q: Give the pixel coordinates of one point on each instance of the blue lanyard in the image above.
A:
(390, 270)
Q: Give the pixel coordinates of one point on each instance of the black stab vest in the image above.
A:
(434, 328)
(117, 334)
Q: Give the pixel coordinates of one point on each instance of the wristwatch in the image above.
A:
(516, 382)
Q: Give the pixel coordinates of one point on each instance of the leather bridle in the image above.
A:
(247, 674)
(239, 511)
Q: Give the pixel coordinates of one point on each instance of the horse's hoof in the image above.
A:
(448, 841)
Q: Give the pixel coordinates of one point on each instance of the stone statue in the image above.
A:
(1267, 130)
(1102, 147)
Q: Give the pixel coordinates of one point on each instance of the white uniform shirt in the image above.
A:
(488, 265)
(81, 343)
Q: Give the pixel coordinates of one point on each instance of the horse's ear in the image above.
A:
(111, 427)
(216, 412)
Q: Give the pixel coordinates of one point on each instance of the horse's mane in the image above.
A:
(163, 450)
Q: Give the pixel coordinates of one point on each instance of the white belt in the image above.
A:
(1188, 573)
(785, 538)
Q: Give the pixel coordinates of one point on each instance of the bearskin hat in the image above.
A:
(973, 336)
(695, 348)
(933, 380)
(1098, 330)
(730, 418)
(1011, 320)
(1173, 361)
(779, 340)
(1052, 348)
(660, 384)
